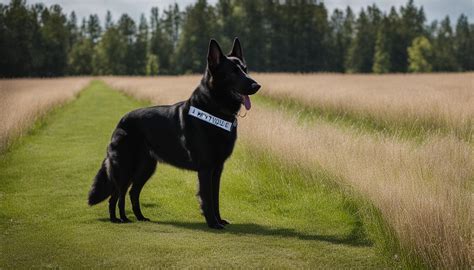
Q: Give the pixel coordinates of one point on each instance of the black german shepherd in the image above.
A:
(197, 134)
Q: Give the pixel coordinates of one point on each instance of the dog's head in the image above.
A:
(229, 72)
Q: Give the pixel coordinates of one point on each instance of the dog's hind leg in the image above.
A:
(121, 203)
(146, 169)
(112, 205)
(120, 172)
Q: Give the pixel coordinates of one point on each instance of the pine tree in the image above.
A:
(108, 20)
(411, 26)
(3, 47)
(361, 52)
(198, 28)
(160, 44)
(21, 27)
(348, 33)
(464, 43)
(94, 30)
(382, 49)
(55, 41)
(337, 45)
(128, 30)
(72, 29)
(141, 46)
(445, 56)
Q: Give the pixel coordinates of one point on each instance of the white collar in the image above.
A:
(211, 119)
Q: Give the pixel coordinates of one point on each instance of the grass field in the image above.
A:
(372, 172)
(402, 141)
(403, 105)
(281, 216)
(24, 101)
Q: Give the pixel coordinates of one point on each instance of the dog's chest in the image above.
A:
(208, 142)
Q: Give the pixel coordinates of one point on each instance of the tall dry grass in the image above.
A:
(424, 192)
(424, 101)
(23, 101)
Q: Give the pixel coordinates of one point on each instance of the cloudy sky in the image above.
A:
(435, 9)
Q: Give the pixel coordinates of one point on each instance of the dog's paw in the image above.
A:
(115, 220)
(224, 222)
(143, 219)
(125, 220)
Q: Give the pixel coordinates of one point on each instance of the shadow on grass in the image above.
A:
(357, 237)
(353, 239)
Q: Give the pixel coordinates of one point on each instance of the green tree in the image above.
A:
(141, 47)
(420, 53)
(411, 26)
(274, 42)
(227, 27)
(109, 54)
(361, 52)
(108, 20)
(464, 43)
(382, 49)
(20, 29)
(3, 48)
(161, 43)
(444, 53)
(198, 28)
(93, 28)
(55, 41)
(127, 31)
(348, 33)
(340, 38)
(72, 29)
(80, 57)
(152, 66)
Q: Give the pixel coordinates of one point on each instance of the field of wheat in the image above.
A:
(423, 190)
(23, 101)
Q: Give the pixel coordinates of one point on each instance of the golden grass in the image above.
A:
(23, 101)
(424, 192)
(427, 101)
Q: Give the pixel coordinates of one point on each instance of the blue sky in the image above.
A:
(434, 9)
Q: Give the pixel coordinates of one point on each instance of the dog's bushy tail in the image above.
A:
(101, 188)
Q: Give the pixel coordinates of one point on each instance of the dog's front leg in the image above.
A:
(216, 180)
(205, 196)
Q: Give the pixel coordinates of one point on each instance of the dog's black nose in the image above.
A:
(255, 87)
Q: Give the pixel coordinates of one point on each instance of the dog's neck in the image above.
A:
(208, 96)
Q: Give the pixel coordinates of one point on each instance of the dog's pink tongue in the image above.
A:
(247, 103)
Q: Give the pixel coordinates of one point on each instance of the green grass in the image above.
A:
(280, 216)
(408, 130)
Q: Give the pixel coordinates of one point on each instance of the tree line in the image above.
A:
(278, 36)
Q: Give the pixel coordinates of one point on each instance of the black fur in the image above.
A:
(168, 134)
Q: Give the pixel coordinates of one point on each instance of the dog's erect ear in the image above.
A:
(215, 55)
(237, 50)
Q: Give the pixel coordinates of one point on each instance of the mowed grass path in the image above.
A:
(279, 218)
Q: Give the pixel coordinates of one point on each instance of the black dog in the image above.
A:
(197, 134)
